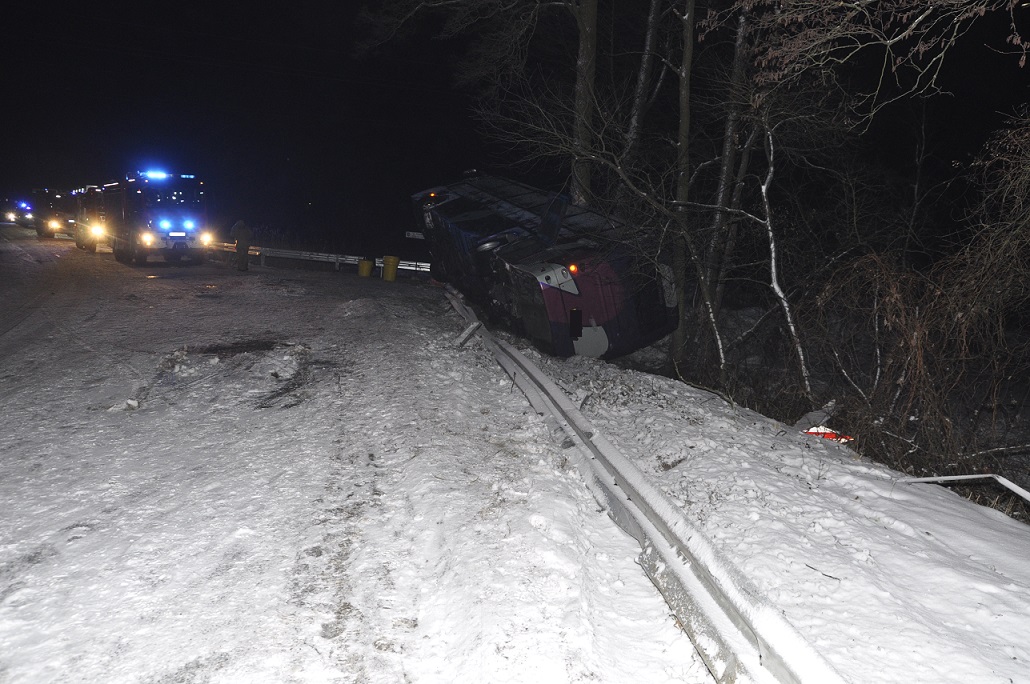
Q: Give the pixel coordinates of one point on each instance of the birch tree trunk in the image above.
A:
(774, 276)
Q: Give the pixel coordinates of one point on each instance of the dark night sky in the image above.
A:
(269, 107)
(285, 125)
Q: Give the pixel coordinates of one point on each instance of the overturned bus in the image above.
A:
(550, 270)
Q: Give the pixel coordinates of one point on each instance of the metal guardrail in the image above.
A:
(738, 634)
(336, 259)
(1006, 483)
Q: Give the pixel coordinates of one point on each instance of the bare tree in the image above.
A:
(645, 85)
(503, 31)
(774, 261)
(991, 275)
(684, 249)
(721, 241)
(585, 12)
(909, 40)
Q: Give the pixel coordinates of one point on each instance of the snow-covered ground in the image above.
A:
(289, 476)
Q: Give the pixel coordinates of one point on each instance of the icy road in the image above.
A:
(285, 476)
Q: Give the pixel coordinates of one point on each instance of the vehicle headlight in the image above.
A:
(11, 216)
(28, 215)
(206, 238)
(147, 238)
(96, 231)
(54, 224)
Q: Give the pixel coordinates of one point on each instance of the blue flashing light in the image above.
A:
(155, 175)
(188, 225)
(165, 224)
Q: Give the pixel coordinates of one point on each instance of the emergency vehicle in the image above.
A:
(54, 212)
(155, 213)
(89, 217)
(19, 213)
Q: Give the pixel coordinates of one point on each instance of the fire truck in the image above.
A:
(155, 213)
(54, 212)
(89, 217)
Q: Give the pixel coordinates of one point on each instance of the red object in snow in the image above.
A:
(827, 433)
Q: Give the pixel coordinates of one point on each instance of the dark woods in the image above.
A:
(841, 210)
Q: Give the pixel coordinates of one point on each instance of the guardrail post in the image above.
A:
(466, 334)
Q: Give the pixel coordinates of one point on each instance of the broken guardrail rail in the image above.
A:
(1007, 484)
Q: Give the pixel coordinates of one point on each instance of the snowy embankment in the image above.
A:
(890, 582)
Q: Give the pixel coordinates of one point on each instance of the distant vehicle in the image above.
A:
(154, 213)
(19, 213)
(89, 217)
(54, 212)
(550, 270)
